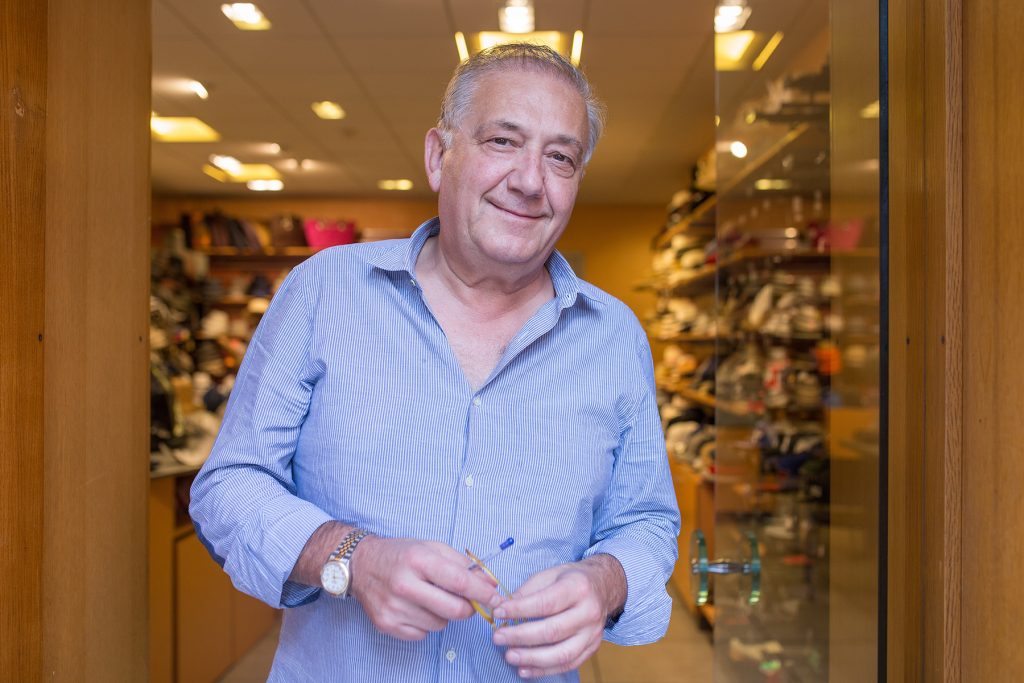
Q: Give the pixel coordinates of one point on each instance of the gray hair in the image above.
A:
(462, 87)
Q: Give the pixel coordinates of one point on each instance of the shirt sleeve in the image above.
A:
(243, 500)
(638, 522)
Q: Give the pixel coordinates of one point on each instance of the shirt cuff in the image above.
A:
(648, 607)
(270, 553)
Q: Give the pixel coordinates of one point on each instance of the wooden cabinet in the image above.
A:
(199, 625)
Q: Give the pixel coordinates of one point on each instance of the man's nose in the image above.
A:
(527, 176)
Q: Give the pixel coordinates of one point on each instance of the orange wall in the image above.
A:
(613, 240)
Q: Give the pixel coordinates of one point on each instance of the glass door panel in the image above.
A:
(792, 553)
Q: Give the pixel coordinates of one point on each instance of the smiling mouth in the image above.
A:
(514, 213)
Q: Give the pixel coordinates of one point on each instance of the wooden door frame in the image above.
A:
(925, 297)
(74, 270)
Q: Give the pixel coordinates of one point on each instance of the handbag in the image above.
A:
(321, 234)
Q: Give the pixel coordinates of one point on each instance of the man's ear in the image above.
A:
(433, 153)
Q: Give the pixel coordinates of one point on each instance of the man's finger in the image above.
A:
(556, 658)
(441, 603)
(455, 577)
(548, 631)
(546, 602)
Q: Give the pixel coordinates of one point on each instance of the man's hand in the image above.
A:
(409, 587)
(571, 603)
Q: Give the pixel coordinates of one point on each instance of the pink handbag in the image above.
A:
(321, 234)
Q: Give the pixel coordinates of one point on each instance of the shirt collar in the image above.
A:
(402, 258)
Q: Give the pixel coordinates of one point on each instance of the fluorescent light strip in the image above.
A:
(773, 43)
(460, 45)
(401, 184)
(265, 185)
(577, 48)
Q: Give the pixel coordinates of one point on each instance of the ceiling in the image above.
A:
(387, 63)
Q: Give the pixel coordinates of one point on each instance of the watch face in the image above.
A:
(334, 577)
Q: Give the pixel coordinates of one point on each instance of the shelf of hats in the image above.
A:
(213, 276)
(765, 295)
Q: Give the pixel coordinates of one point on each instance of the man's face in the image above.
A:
(508, 183)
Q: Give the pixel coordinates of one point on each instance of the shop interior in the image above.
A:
(732, 203)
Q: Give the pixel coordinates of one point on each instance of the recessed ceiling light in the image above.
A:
(577, 48)
(516, 16)
(199, 89)
(772, 184)
(738, 149)
(265, 185)
(767, 51)
(328, 110)
(400, 184)
(229, 169)
(246, 16)
(226, 163)
(731, 49)
(181, 129)
(556, 40)
(460, 45)
(731, 15)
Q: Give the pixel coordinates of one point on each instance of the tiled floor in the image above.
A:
(682, 656)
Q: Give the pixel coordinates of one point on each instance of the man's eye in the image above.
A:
(501, 141)
(561, 158)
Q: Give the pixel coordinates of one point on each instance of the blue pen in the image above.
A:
(507, 543)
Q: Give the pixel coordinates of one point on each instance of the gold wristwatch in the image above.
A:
(336, 575)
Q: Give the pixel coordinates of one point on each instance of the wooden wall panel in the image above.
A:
(96, 359)
(22, 210)
(906, 337)
(993, 365)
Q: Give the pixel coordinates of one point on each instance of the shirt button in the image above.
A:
(476, 401)
(450, 655)
(412, 282)
(469, 480)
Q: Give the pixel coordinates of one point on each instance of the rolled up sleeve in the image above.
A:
(638, 522)
(243, 500)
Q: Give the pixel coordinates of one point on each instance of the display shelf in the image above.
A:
(684, 338)
(707, 400)
(745, 173)
(689, 222)
(271, 252)
(238, 300)
(740, 258)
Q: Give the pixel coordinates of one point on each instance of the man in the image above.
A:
(404, 401)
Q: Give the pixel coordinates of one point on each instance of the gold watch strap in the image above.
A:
(348, 544)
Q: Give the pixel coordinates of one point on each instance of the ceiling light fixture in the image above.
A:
(326, 109)
(199, 89)
(181, 129)
(738, 149)
(460, 45)
(401, 184)
(772, 184)
(731, 15)
(731, 50)
(265, 185)
(274, 148)
(766, 53)
(516, 16)
(577, 48)
(246, 16)
(229, 169)
(231, 165)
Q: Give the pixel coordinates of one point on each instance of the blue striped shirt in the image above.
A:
(351, 405)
